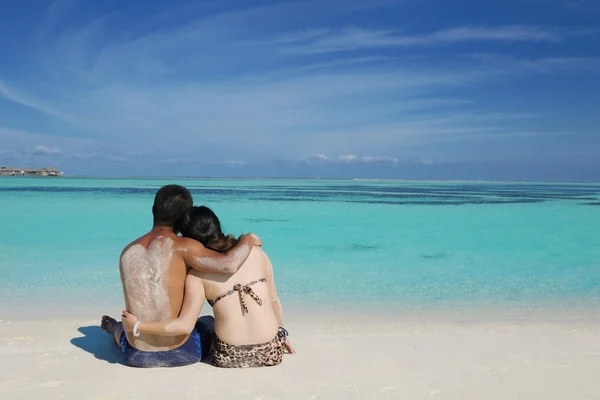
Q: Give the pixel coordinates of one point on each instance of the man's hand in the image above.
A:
(252, 239)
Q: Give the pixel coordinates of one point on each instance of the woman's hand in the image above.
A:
(288, 346)
(128, 321)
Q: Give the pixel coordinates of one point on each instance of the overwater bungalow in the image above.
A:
(9, 171)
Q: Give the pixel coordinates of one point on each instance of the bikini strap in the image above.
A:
(241, 289)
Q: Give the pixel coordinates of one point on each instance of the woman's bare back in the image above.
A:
(260, 319)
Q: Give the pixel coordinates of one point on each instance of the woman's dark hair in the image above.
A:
(201, 224)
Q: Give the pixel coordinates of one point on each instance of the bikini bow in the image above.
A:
(246, 289)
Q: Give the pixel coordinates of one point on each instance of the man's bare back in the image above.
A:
(153, 274)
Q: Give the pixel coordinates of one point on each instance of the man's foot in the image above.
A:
(109, 325)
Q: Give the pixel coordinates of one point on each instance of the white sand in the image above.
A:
(338, 358)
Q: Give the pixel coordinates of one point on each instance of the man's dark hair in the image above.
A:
(169, 203)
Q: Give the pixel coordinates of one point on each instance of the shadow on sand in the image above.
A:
(95, 341)
(98, 343)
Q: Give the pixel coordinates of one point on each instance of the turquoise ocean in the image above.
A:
(354, 244)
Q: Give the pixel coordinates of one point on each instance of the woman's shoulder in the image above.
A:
(265, 262)
(258, 254)
(256, 261)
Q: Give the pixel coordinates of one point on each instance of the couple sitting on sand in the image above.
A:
(160, 327)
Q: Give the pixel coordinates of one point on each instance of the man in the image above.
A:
(153, 272)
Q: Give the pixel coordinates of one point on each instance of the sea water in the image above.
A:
(351, 244)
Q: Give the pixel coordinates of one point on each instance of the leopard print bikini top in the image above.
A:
(242, 290)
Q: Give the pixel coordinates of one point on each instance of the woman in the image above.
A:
(248, 315)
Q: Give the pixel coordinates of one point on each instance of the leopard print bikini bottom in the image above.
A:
(226, 355)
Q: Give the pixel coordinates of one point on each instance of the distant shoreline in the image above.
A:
(298, 179)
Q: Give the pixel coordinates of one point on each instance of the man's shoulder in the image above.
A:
(137, 241)
(127, 248)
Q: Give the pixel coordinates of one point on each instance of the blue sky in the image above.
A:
(416, 89)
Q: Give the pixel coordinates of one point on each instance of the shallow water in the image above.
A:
(392, 244)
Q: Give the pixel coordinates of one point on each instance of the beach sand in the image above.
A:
(339, 357)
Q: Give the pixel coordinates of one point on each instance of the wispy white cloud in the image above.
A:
(510, 63)
(45, 151)
(276, 111)
(212, 88)
(582, 6)
(299, 36)
(376, 159)
(353, 158)
(322, 159)
(18, 136)
(348, 157)
(24, 100)
(350, 39)
(261, 107)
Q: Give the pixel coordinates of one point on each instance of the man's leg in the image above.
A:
(112, 327)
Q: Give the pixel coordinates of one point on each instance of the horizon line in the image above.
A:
(172, 177)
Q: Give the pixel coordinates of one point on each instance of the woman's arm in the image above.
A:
(268, 270)
(202, 259)
(190, 310)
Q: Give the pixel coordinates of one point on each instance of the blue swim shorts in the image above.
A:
(188, 353)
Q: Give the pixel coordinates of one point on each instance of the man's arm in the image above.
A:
(202, 259)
